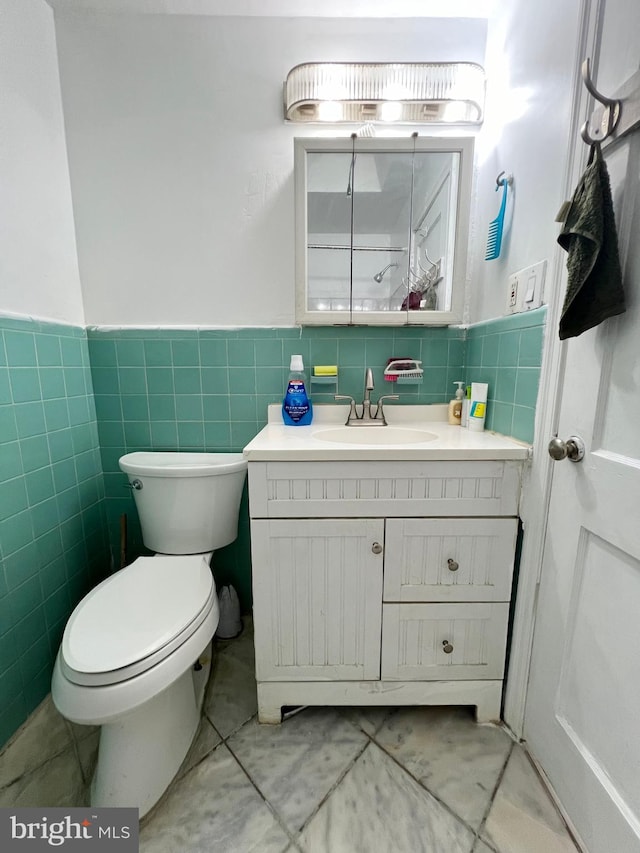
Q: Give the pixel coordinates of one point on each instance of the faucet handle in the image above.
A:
(379, 415)
(352, 406)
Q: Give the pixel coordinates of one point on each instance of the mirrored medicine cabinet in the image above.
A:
(381, 230)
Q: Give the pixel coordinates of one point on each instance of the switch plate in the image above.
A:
(525, 288)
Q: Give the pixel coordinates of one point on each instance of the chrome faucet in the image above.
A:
(369, 385)
(366, 417)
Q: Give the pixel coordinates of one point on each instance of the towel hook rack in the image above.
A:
(610, 115)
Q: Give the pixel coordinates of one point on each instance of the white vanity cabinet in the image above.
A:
(382, 582)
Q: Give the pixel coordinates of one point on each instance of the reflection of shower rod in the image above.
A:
(357, 248)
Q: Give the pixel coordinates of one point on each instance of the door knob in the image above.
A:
(376, 548)
(571, 449)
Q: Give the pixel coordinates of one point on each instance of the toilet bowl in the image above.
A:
(136, 651)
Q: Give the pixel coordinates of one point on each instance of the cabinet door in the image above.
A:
(359, 214)
(317, 597)
(449, 559)
(443, 642)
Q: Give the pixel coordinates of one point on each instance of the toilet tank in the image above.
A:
(188, 503)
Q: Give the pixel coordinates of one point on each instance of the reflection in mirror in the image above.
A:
(379, 229)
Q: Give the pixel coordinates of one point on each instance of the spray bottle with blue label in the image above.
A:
(296, 406)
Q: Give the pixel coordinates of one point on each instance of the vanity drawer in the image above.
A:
(443, 642)
(449, 559)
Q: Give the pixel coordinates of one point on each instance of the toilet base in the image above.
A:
(141, 752)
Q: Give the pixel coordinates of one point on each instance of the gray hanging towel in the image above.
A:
(594, 287)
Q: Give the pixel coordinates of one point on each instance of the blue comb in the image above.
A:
(494, 238)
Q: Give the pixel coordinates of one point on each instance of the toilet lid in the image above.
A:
(136, 612)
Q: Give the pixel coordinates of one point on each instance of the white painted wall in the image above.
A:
(181, 164)
(530, 63)
(38, 261)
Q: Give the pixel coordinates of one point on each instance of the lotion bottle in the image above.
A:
(478, 406)
(296, 406)
(454, 411)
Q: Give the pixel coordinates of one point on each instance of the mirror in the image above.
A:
(381, 230)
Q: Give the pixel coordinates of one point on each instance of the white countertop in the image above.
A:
(288, 443)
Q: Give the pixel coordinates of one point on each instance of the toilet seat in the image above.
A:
(136, 618)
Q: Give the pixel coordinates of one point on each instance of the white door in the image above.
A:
(583, 700)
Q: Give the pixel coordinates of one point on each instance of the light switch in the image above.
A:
(531, 290)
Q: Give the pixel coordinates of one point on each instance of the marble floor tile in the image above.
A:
(206, 740)
(456, 759)
(482, 847)
(213, 809)
(523, 818)
(58, 782)
(370, 720)
(88, 754)
(240, 647)
(231, 697)
(296, 764)
(46, 735)
(379, 807)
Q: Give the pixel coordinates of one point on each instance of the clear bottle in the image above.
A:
(296, 406)
(454, 412)
(466, 402)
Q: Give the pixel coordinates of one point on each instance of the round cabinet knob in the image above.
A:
(571, 449)
(453, 566)
(447, 648)
(376, 548)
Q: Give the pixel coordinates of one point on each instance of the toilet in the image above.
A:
(136, 652)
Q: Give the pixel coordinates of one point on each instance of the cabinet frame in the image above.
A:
(304, 496)
(464, 146)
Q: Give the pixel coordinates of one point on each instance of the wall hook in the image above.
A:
(500, 180)
(610, 115)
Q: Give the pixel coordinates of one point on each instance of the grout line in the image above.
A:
(271, 808)
(493, 796)
(424, 787)
(76, 751)
(336, 784)
(225, 738)
(546, 784)
(293, 837)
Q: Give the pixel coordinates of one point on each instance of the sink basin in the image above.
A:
(379, 436)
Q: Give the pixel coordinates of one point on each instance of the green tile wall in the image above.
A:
(209, 390)
(53, 544)
(63, 424)
(507, 353)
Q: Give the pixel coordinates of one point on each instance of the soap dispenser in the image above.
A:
(454, 411)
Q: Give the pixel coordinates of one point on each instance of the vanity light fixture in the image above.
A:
(394, 92)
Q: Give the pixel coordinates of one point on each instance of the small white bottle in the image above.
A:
(454, 412)
(478, 406)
